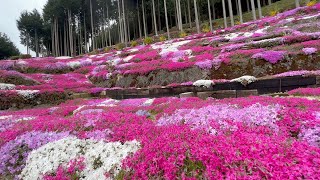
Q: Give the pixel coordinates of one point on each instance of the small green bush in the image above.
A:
(25, 56)
(120, 46)
(163, 38)
(134, 43)
(148, 40)
(107, 49)
(206, 28)
(15, 57)
(94, 52)
(182, 34)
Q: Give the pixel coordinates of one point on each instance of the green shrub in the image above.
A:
(205, 28)
(25, 56)
(148, 40)
(182, 34)
(163, 38)
(15, 57)
(273, 12)
(120, 46)
(107, 49)
(134, 43)
(312, 3)
(94, 52)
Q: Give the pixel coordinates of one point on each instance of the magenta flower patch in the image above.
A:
(271, 56)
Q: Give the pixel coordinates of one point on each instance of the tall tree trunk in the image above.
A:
(175, 13)
(152, 22)
(70, 33)
(180, 15)
(224, 14)
(57, 38)
(189, 14)
(240, 11)
(210, 20)
(61, 42)
(253, 8)
(68, 39)
(128, 29)
(139, 24)
(52, 39)
(58, 47)
(159, 19)
(37, 43)
(213, 9)
(85, 34)
(144, 20)
(231, 12)
(166, 17)
(125, 25)
(237, 7)
(95, 40)
(269, 2)
(65, 39)
(170, 21)
(74, 46)
(120, 23)
(196, 16)
(185, 13)
(199, 16)
(248, 5)
(108, 27)
(110, 41)
(92, 29)
(154, 18)
(259, 9)
(27, 43)
(297, 3)
(103, 37)
(80, 36)
(118, 33)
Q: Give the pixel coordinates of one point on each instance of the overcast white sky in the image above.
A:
(10, 11)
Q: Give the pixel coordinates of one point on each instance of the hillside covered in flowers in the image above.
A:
(258, 137)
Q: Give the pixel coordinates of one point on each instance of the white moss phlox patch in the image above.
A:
(49, 157)
(4, 86)
(245, 80)
(205, 83)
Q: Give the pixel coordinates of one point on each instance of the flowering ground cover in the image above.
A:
(165, 138)
(288, 41)
(305, 92)
(168, 138)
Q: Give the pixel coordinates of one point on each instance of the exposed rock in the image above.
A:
(187, 94)
(203, 83)
(245, 80)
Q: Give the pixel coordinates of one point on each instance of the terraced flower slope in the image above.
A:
(258, 137)
(286, 42)
(244, 138)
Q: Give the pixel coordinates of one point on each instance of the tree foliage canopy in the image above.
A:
(7, 48)
(31, 27)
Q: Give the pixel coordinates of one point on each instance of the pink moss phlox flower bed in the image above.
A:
(305, 92)
(298, 73)
(271, 56)
(265, 137)
(164, 138)
(206, 51)
(309, 51)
